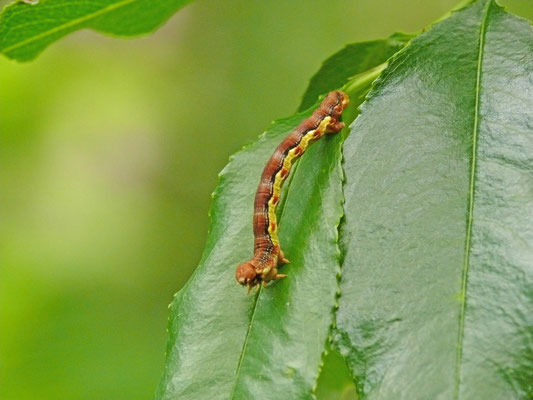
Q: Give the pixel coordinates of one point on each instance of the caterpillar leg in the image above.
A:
(281, 259)
(335, 127)
(274, 278)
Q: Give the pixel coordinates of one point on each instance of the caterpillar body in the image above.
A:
(263, 267)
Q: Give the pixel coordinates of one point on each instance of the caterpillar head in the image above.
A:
(339, 100)
(246, 274)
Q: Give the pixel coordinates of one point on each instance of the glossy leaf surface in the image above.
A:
(27, 29)
(438, 237)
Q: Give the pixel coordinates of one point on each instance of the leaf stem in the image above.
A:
(355, 83)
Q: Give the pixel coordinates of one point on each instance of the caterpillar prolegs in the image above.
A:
(263, 267)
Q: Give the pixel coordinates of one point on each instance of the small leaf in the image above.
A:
(27, 29)
(350, 61)
(438, 236)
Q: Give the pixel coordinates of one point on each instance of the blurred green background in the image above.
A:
(110, 150)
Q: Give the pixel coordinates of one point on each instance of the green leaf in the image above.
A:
(226, 344)
(437, 278)
(350, 61)
(27, 29)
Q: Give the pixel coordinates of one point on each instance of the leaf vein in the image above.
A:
(245, 344)
(468, 240)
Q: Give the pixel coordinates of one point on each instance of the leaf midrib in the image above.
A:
(245, 344)
(67, 25)
(468, 240)
(260, 290)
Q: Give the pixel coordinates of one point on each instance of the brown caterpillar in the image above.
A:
(267, 253)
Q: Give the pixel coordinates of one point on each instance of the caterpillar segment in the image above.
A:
(263, 267)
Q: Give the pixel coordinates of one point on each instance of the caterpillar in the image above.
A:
(263, 267)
